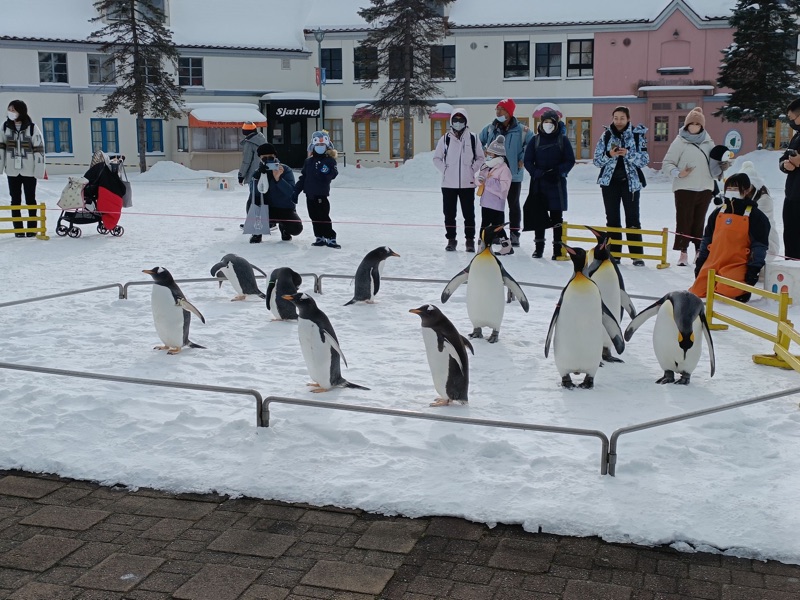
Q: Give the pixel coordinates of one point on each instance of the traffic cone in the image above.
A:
(45, 174)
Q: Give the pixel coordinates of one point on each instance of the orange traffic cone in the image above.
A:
(45, 174)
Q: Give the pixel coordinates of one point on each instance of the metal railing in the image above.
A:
(70, 293)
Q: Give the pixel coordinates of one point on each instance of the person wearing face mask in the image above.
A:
(458, 154)
(22, 158)
(494, 179)
(275, 183)
(549, 158)
(789, 163)
(620, 153)
(763, 199)
(516, 137)
(318, 171)
(253, 138)
(693, 181)
(735, 241)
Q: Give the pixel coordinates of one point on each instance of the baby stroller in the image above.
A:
(102, 197)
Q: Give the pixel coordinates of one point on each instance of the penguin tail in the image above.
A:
(354, 386)
(193, 345)
(262, 295)
(353, 301)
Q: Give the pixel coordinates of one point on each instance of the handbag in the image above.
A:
(257, 221)
(72, 194)
(127, 197)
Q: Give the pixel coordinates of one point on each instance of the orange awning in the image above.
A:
(229, 117)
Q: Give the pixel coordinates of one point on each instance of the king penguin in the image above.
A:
(368, 275)
(578, 325)
(486, 279)
(676, 335)
(171, 312)
(240, 273)
(604, 271)
(282, 282)
(447, 355)
(319, 345)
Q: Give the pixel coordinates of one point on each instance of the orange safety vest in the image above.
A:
(727, 253)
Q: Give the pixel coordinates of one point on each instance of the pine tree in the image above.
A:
(134, 36)
(760, 66)
(401, 38)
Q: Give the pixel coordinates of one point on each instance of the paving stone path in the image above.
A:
(62, 539)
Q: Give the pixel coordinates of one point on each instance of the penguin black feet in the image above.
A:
(566, 382)
(684, 380)
(608, 357)
(669, 377)
(494, 337)
(477, 333)
(587, 383)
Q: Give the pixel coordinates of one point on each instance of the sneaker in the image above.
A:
(255, 239)
(31, 234)
(470, 246)
(683, 260)
(19, 235)
(638, 262)
(451, 245)
(320, 242)
(286, 237)
(332, 243)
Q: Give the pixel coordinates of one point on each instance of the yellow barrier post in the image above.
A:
(787, 333)
(567, 237)
(41, 217)
(710, 287)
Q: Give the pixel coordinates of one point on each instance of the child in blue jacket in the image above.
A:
(315, 180)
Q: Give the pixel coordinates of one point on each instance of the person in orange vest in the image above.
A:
(735, 241)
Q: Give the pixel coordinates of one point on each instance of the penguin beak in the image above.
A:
(148, 271)
(500, 227)
(416, 311)
(685, 342)
(394, 254)
(567, 248)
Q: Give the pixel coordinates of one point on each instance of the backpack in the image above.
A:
(636, 136)
(472, 138)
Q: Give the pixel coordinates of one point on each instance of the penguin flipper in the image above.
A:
(627, 304)
(467, 344)
(270, 287)
(333, 342)
(707, 333)
(552, 326)
(189, 307)
(215, 270)
(255, 268)
(642, 317)
(454, 283)
(613, 330)
(515, 289)
(376, 280)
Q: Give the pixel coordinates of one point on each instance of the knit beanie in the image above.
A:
(695, 116)
(551, 116)
(497, 146)
(265, 149)
(749, 169)
(321, 137)
(509, 105)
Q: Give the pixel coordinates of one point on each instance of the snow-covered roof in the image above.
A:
(224, 112)
(292, 96)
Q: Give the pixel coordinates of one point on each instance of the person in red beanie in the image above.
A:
(517, 137)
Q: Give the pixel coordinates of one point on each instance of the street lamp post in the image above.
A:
(319, 35)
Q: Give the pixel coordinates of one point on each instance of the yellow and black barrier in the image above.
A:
(41, 218)
(569, 234)
(780, 339)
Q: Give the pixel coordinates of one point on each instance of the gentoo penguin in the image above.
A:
(447, 355)
(319, 345)
(368, 275)
(676, 336)
(604, 271)
(578, 324)
(171, 312)
(486, 299)
(240, 273)
(282, 282)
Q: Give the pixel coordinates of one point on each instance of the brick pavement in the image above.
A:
(62, 539)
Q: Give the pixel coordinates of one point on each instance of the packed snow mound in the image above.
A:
(166, 170)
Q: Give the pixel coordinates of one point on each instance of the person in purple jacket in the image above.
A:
(458, 155)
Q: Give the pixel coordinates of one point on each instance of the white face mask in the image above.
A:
(458, 126)
(12, 116)
(492, 162)
(501, 119)
(733, 194)
(548, 127)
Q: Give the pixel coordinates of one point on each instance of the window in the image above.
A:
(397, 66)
(101, 69)
(335, 128)
(443, 62)
(217, 139)
(438, 129)
(516, 59)
(57, 136)
(548, 60)
(579, 133)
(190, 72)
(397, 139)
(685, 105)
(53, 67)
(661, 129)
(154, 136)
(183, 138)
(580, 58)
(775, 135)
(332, 63)
(104, 135)
(523, 121)
(365, 63)
(662, 105)
(367, 135)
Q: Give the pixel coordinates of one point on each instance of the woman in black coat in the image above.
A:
(549, 157)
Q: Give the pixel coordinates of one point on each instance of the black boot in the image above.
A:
(255, 239)
(556, 251)
(539, 250)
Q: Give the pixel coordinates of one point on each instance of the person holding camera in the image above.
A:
(274, 183)
(789, 163)
(621, 153)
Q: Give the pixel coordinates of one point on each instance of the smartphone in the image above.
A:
(272, 166)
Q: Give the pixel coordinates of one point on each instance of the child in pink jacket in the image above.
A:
(494, 179)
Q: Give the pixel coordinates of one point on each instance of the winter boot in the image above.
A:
(451, 246)
(332, 243)
(470, 246)
(515, 239)
(539, 250)
(556, 251)
(320, 241)
(286, 237)
(255, 239)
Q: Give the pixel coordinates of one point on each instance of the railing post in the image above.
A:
(664, 240)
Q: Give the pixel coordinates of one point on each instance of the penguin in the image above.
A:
(368, 275)
(240, 273)
(447, 355)
(171, 312)
(676, 335)
(604, 271)
(578, 324)
(282, 282)
(319, 345)
(486, 278)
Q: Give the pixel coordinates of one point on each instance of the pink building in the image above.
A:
(663, 71)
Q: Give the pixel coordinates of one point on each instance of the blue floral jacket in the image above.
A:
(637, 157)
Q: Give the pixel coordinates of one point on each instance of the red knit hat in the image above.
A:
(509, 105)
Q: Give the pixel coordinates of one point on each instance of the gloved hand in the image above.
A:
(744, 297)
(751, 276)
(552, 175)
(240, 177)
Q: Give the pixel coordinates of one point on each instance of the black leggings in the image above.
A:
(451, 197)
(16, 185)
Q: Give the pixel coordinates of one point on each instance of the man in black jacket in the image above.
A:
(789, 163)
(279, 195)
